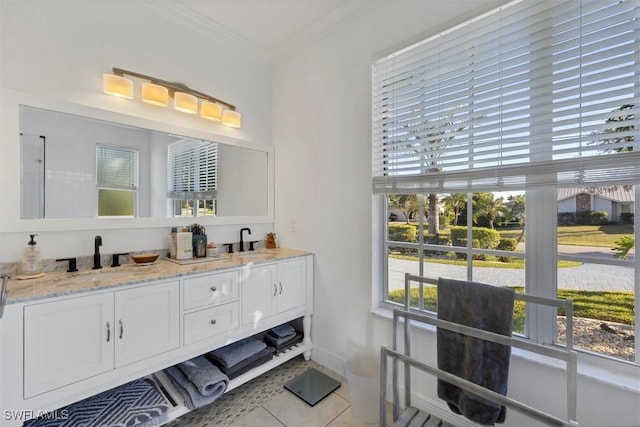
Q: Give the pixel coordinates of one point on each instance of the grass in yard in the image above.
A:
(593, 235)
(605, 306)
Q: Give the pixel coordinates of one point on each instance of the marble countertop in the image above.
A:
(56, 284)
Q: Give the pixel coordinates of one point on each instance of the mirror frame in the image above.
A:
(10, 169)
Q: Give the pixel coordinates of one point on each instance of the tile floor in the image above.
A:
(264, 402)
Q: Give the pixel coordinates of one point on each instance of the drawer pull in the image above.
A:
(213, 289)
(275, 289)
(213, 321)
(121, 328)
(108, 332)
(280, 288)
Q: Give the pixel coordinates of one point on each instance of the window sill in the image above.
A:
(614, 372)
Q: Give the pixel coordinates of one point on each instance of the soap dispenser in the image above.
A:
(31, 259)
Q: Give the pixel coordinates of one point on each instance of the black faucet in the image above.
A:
(242, 241)
(96, 253)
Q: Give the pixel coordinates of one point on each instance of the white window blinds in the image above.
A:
(533, 93)
(117, 168)
(193, 168)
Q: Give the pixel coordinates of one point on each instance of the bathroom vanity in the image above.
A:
(68, 336)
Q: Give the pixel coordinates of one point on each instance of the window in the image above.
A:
(117, 181)
(526, 103)
(193, 177)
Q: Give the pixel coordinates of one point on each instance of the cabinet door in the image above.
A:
(259, 289)
(291, 284)
(67, 341)
(147, 322)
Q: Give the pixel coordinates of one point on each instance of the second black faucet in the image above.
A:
(241, 239)
(96, 252)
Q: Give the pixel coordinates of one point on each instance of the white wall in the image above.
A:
(60, 50)
(322, 138)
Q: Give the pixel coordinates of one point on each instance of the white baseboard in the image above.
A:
(328, 360)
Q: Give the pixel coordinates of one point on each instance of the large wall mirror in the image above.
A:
(95, 171)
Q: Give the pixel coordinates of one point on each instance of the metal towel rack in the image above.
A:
(411, 414)
(3, 294)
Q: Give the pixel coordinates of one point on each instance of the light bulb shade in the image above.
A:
(185, 102)
(117, 86)
(210, 110)
(155, 94)
(231, 118)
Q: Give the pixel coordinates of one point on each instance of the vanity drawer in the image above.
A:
(210, 322)
(211, 289)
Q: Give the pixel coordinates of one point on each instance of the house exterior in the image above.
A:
(615, 200)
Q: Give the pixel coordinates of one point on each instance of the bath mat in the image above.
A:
(312, 386)
(135, 404)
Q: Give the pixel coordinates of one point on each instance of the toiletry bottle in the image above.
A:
(31, 259)
(173, 242)
(184, 244)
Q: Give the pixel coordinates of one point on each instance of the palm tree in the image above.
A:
(455, 202)
(487, 205)
(623, 123)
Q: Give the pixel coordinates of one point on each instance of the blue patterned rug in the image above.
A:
(135, 404)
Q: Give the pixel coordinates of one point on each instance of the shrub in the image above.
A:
(402, 233)
(507, 245)
(627, 218)
(623, 246)
(487, 238)
(566, 218)
(598, 218)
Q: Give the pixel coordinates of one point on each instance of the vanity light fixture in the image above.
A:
(185, 102)
(157, 92)
(117, 86)
(154, 94)
(231, 118)
(210, 110)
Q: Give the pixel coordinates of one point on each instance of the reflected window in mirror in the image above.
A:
(193, 177)
(117, 181)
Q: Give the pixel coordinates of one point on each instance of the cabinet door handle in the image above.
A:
(213, 289)
(280, 287)
(121, 328)
(275, 289)
(213, 321)
(108, 332)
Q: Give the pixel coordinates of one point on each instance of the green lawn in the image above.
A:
(593, 235)
(605, 306)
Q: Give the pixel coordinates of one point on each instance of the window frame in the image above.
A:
(541, 272)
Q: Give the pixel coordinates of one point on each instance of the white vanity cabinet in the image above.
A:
(72, 339)
(271, 289)
(57, 348)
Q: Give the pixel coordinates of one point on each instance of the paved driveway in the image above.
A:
(593, 277)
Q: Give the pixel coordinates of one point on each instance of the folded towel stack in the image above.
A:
(198, 381)
(282, 337)
(237, 358)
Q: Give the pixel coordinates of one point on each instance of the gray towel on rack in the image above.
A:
(482, 362)
(203, 375)
(232, 354)
(190, 394)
